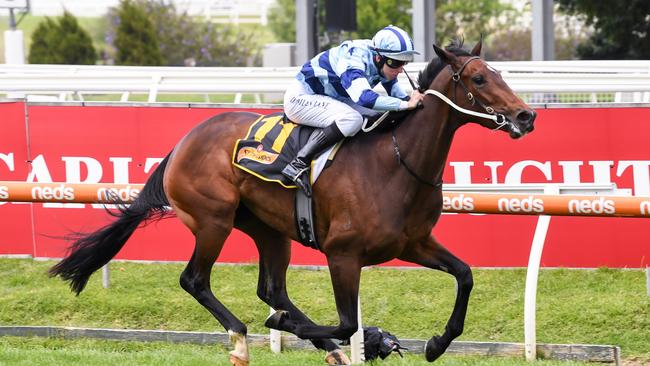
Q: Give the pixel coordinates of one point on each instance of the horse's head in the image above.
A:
(475, 86)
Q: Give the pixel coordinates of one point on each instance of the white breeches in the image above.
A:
(321, 111)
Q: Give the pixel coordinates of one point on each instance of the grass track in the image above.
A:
(603, 306)
(37, 352)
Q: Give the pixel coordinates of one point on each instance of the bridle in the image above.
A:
(498, 118)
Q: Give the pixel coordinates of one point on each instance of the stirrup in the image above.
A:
(295, 169)
(304, 185)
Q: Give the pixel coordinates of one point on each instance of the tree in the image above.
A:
(42, 50)
(621, 28)
(135, 39)
(176, 32)
(515, 45)
(183, 39)
(282, 20)
(470, 18)
(514, 42)
(373, 15)
(61, 42)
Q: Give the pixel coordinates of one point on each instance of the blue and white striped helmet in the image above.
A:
(395, 43)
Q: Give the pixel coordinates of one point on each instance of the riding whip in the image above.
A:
(410, 80)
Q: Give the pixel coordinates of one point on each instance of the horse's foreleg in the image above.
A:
(345, 274)
(275, 253)
(272, 290)
(195, 279)
(432, 254)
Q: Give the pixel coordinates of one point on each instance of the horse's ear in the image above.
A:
(476, 51)
(446, 57)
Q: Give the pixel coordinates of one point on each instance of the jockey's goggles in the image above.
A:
(394, 64)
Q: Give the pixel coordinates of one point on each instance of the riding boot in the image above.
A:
(298, 169)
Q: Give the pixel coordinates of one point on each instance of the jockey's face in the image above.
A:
(391, 72)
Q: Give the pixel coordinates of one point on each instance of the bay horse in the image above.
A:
(378, 201)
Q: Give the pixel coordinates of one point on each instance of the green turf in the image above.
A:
(55, 351)
(603, 306)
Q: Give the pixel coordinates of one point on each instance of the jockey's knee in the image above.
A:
(349, 123)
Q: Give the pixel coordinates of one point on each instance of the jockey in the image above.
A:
(322, 93)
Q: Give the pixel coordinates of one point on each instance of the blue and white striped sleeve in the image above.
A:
(394, 89)
(353, 79)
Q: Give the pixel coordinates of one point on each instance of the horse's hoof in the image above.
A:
(236, 361)
(433, 349)
(274, 320)
(337, 357)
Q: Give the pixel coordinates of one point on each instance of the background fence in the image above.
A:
(536, 82)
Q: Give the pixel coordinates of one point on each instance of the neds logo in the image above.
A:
(530, 204)
(53, 193)
(644, 207)
(123, 194)
(4, 192)
(598, 206)
(458, 203)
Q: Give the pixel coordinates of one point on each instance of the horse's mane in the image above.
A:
(426, 76)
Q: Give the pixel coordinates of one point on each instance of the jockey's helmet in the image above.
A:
(393, 42)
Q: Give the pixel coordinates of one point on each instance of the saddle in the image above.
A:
(272, 141)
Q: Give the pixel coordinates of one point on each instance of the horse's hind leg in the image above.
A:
(432, 254)
(275, 253)
(345, 273)
(195, 279)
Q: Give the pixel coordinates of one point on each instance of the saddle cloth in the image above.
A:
(270, 144)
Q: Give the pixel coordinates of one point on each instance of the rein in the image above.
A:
(498, 118)
(401, 161)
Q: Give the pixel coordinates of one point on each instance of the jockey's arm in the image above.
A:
(360, 91)
(351, 70)
(394, 89)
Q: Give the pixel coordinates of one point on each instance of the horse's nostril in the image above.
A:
(525, 117)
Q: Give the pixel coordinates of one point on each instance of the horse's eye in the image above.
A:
(478, 79)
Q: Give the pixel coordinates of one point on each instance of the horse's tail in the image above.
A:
(89, 252)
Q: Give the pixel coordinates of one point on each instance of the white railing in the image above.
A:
(543, 81)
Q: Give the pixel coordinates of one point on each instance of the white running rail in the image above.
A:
(544, 80)
(537, 246)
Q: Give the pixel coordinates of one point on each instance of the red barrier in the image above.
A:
(124, 144)
(16, 225)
